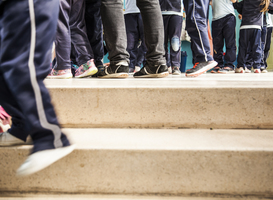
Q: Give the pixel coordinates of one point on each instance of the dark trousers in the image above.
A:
(197, 27)
(223, 31)
(135, 35)
(267, 45)
(25, 60)
(172, 33)
(71, 30)
(94, 29)
(250, 38)
(115, 33)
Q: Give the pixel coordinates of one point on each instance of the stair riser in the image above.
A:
(164, 107)
(145, 172)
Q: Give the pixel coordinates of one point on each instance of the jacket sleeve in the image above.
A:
(270, 7)
(238, 6)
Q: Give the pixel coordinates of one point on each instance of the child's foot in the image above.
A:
(257, 71)
(85, 70)
(60, 74)
(200, 68)
(239, 70)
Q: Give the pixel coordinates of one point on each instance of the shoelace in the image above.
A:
(195, 64)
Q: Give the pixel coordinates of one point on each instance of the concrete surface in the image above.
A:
(209, 101)
(152, 161)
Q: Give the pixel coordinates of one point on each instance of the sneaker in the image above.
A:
(247, 70)
(155, 71)
(226, 70)
(215, 69)
(6, 139)
(257, 71)
(5, 120)
(200, 68)
(119, 70)
(137, 69)
(131, 70)
(60, 74)
(170, 71)
(239, 70)
(42, 159)
(176, 71)
(87, 69)
(264, 71)
(100, 69)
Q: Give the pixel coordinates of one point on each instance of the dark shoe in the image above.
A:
(215, 69)
(100, 69)
(119, 70)
(154, 71)
(200, 68)
(176, 71)
(226, 70)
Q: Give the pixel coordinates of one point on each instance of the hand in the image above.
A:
(233, 1)
(240, 16)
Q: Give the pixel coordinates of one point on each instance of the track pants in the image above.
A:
(28, 29)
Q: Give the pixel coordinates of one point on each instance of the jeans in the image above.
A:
(115, 33)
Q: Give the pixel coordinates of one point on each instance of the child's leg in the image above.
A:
(230, 40)
(175, 27)
(263, 41)
(218, 41)
(196, 25)
(78, 33)
(63, 40)
(267, 45)
(142, 48)
(94, 29)
(132, 38)
(166, 20)
(243, 44)
(257, 53)
(249, 60)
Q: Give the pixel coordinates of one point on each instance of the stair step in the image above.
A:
(209, 101)
(152, 161)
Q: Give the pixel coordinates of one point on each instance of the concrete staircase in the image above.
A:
(187, 139)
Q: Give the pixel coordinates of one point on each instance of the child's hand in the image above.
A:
(233, 1)
(240, 16)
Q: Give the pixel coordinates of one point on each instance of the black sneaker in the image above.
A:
(226, 70)
(119, 70)
(200, 68)
(155, 71)
(176, 71)
(100, 69)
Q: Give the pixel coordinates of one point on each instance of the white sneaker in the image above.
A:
(6, 139)
(170, 70)
(137, 69)
(264, 71)
(247, 70)
(42, 159)
(239, 70)
(257, 71)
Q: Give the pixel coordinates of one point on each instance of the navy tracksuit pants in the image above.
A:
(135, 34)
(27, 32)
(250, 38)
(223, 31)
(172, 33)
(267, 45)
(94, 29)
(197, 27)
(71, 35)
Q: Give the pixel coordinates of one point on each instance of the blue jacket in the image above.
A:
(251, 12)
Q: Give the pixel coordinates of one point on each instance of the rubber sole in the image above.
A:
(88, 72)
(116, 75)
(203, 70)
(160, 75)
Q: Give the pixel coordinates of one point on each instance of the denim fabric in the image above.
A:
(71, 30)
(135, 34)
(94, 29)
(197, 27)
(267, 45)
(172, 34)
(251, 37)
(115, 33)
(223, 31)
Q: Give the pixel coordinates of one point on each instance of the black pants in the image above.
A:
(223, 31)
(135, 35)
(94, 29)
(71, 30)
(25, 62)
(115, 33)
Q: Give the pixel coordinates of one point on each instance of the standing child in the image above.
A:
(250, 31)
(223, 31)
(172, 12)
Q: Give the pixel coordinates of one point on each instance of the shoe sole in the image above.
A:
(116, 75)
(160, 75)
(228, 72)
(60, 77)
(176, 73)
(88, 72)
(203, 70)
(54, 155)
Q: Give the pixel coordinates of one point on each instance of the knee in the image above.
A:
(175, 43)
